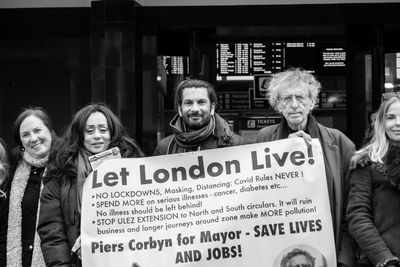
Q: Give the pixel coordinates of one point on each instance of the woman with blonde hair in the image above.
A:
(374, 200)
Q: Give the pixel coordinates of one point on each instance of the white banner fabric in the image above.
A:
(259, 205)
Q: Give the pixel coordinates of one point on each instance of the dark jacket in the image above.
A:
(373, 213)
(211, 143)
(221, 136)
(337, 151)
(29, 230)
(59, 218)
(59, 222)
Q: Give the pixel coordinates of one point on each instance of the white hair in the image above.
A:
(293, 77)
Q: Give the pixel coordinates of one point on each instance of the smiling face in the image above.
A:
(392, 122)
(196, 108)
(295, 105)
(35, 137)
(97, 133)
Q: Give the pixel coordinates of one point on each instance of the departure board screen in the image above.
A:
(248, 58)
(334, 57)
(252, 58)
(174, 64)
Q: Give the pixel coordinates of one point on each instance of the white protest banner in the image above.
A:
(258, 205)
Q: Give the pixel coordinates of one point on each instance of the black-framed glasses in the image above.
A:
(389, 95)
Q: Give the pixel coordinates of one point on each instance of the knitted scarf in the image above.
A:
(14, 232)
(185, 141)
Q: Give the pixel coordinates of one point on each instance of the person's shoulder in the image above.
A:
(268, 129)
(56, 177)
(238, 140)
(166, 140)
(162, 145)
(265, 134)
(361, 161)
(337, 135)
(365, 168)
(332, 131)
(130, 149)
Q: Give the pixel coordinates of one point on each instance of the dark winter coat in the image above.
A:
(373, 213)
(337, 151)
(59, 221)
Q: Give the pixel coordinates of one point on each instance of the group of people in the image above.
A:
(41, 181)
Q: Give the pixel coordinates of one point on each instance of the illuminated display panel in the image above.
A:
(174, 65)
(246, 59)
(333, 57)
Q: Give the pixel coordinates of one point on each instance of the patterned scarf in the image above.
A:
(14, 232)
(184, 141)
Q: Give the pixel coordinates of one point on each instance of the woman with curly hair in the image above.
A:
(94, 129)
(374, 200)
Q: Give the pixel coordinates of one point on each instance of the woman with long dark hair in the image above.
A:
(94, 129)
